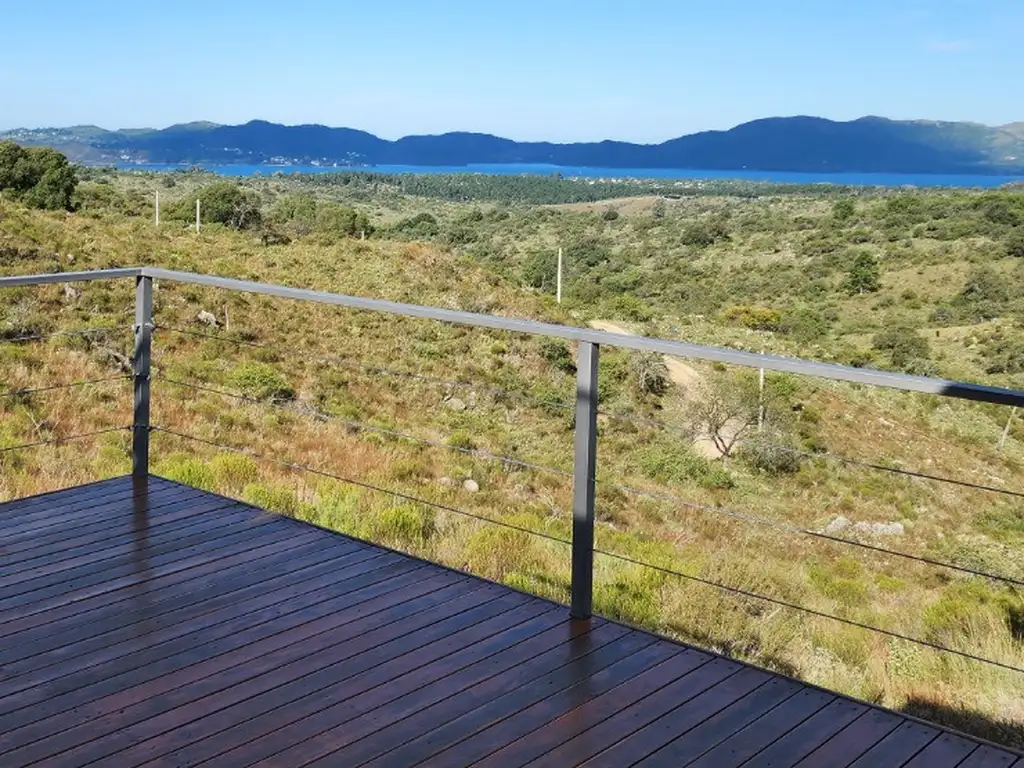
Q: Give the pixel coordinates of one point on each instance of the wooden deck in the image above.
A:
(154, 624)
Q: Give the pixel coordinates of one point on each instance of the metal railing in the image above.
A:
(586, 400)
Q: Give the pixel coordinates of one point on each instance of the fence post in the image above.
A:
(583, 481)
(141, 362)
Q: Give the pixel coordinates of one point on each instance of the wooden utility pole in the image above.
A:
(197, 215)
(558, 279)
(158, 208)
(760, 399)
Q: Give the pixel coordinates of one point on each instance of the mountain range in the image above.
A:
(804, 144)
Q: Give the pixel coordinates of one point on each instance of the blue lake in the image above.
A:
(780, 177)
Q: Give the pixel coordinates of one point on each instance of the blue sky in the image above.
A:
(640, 70)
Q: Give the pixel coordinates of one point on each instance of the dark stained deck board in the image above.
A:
(988, 757)
(148, 623)
(945, 751)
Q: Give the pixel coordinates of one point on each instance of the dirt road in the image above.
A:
(682, 375)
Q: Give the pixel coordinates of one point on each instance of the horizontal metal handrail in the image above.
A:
(70, 277)
(586, 402)
(900, 381)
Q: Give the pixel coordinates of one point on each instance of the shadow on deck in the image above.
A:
(149, 623)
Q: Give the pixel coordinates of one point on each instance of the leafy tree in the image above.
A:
(340, 220)
(40, 177)
(223, 202)
(588, 252)
(540, 271)
(864, 275)
(904, 346)
(295, 212)
(705, 233)
(984, 294)
(844, 210)
(422, 225)
(999, 210)
(725, 409)
(1015, 243)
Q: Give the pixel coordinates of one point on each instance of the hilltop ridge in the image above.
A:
(801, 143)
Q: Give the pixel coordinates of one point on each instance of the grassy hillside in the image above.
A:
(769, 274)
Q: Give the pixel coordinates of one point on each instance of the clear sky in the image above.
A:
(639, 70)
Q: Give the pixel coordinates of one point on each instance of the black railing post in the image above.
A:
(583, 481)
(141, 364)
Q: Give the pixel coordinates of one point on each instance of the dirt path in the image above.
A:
(681, 374)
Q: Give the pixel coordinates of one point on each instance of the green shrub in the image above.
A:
(953, 615)
(403, 527)
(630, 307)
(495, 552)
(903, 344)
(772, 454)
(422, 225)
(39, 177)
(841, 580)
(190, 471)
(223, 202)
(633, 594)
(540, 271)
(1015, 243)
(261, 381)
(649, 373)
(844, 210)
(984, 294)
(805, 324)
(462, 439)
(677, 463)
(704, 234)
(233, 471)
(555, 352)
(864, 275)
(280, 500)
(755, 318)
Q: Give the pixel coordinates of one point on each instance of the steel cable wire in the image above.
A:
(498, 391)
(654, 423)
(359, 484)
(787, 528)
(56, 334)
(86, 382)
(69, 438)
(313, 413)
(811, 611)
(623, 558)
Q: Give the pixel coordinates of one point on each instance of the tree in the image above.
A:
(844, 210)
(904, 346)
(723, 409)
(864, 275)
(705, 233)
(984, 294)
(540, 271)
(649, 372)
(40, 177)
(1015, 243)
(223, 202)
